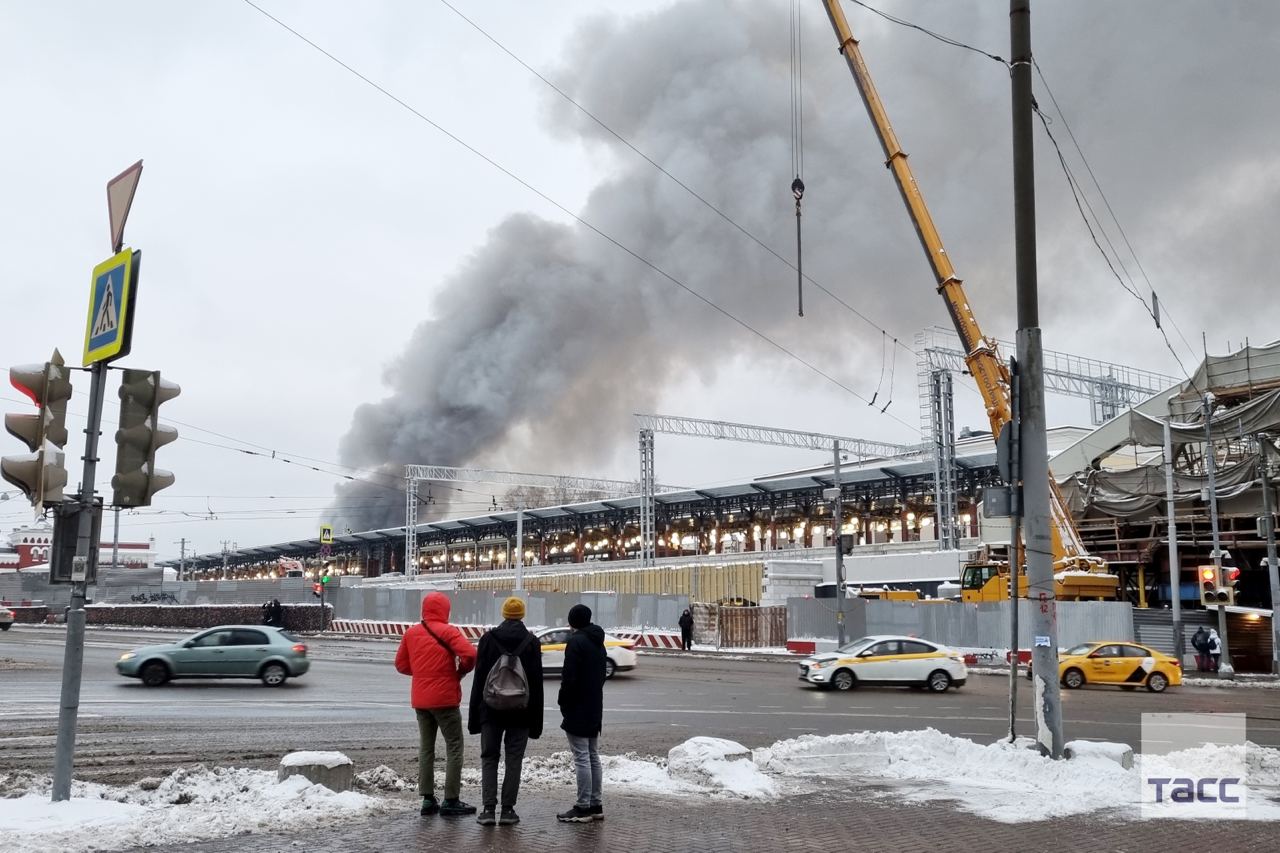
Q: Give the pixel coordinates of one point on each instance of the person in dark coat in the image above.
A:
(277, 613)
(582, 705)
(686, 630)
(514, 728)
(266, 613)
(1200, 642)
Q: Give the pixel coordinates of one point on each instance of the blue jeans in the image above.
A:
(586, 760)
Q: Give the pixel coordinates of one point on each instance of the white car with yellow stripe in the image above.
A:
(887, 660)
(620, 655)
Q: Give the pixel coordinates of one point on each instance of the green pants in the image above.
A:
(449, 723)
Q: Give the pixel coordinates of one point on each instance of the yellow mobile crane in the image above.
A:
(1078, 574)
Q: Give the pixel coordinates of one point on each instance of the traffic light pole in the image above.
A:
(1273, 571)
(73, 657)
(1210, 464)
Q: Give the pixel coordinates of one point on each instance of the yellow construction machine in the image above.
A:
(1077, 574)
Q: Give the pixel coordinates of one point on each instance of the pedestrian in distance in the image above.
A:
(686, 630)
(1215, 649)
(1200, 642)
(581, 703)
(505, 708)
(277, 613)
(437, 656)
(266, 613)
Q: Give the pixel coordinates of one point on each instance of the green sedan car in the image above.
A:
(228, 651)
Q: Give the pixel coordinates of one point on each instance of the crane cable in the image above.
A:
(797, 139)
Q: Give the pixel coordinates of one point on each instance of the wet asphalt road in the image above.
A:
(354, 700)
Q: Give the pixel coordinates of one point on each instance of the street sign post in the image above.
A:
(108, 335)
(326, 534)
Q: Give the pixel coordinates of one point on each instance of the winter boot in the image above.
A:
(486, 817)
(508, 818)
(597, 812)
(455, 808)
(577, 814)
(429, 806)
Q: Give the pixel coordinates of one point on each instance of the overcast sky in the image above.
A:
(312, 247)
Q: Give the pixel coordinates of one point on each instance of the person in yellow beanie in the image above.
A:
(505, 709)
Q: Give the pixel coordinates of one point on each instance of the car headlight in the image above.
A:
(127, 656)
(819, 664)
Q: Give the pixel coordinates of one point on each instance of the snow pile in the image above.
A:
(719, 765)
(652, 775)
(1253, 683)
(188, 805)
(382, 778)
(1002, 781)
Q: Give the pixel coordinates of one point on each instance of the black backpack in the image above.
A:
(506, 687)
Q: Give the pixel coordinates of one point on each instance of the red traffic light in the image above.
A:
(317, 589)
(1233, 574)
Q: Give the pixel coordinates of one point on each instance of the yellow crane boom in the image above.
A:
(981, 353)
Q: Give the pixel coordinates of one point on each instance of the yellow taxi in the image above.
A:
(887, 660)
(1123, 664)
(620, 655)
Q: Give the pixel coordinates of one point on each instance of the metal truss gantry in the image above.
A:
(943, 429)
(859, 448)
(1110, 388)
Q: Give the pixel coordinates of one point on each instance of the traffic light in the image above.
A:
(139, 437)
(1209, 586)
(324, 579)
(41, 474)
(317, 589)
(1232, 580)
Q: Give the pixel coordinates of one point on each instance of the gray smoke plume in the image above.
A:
(548, 337)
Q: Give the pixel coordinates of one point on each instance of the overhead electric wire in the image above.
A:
(1078, 195)
(568, 212)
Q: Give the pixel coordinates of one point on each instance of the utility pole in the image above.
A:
(1225, 668)
(1175, 567)
(838, 521)
(1037, 542)
(1269, 522)
(520, 543)
(225, 543)
(182, 558)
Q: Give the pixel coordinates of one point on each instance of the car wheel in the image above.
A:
(843, 680)
(6, 626)
(274, 674)
(1157, 682)
(1073, 678)
(154, 673)
(609, 667)
(938, 681)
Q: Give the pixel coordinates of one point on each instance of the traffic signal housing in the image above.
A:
(140, 435)
(1208, 585)
(41, 474)
(1230, 582)
(317, 589)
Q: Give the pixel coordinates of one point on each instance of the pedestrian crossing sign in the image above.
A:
(112, 292)
(326, 534)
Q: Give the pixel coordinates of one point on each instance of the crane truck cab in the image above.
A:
(990, 582)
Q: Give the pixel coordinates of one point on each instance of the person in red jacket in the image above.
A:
(437, 656)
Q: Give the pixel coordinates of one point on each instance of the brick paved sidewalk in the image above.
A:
(813, 822)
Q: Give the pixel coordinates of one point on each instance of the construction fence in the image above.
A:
(697, 582)
(952, 623)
